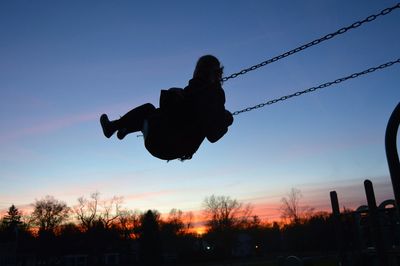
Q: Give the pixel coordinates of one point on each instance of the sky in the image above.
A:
(64, 63)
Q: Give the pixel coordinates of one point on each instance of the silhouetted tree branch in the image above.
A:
(86, 210)
(49, 213)
(110, 211)
(291, 209)
(91, 212)
(129, 223)
(222, 212)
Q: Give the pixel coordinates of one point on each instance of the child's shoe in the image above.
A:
(108, 127)
(122, 133)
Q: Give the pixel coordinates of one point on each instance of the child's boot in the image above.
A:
(122, 133)
(108, 126)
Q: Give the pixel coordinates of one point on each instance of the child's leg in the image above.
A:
(133, 120)
(129, 123)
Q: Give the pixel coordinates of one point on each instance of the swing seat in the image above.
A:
(169, 140)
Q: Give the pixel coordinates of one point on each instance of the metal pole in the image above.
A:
(335, 203)
(374, 222)
(338, 227)
(391, 153)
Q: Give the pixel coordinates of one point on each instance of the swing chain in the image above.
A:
(314, 42)
(324, 85)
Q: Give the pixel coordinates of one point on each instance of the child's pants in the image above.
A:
(133, 121)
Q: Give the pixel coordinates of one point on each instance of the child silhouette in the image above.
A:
(185, 117)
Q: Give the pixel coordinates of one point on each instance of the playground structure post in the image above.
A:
(374, 222)
(392, 154)
(338, 226)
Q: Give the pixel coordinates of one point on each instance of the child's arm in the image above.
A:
(219, 130)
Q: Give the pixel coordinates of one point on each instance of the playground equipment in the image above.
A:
(370, 235)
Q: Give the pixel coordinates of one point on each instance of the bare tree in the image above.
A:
(291, 209)
(87, 210)
(48, 213)
(110, 211)
(175, 221)
(253, 222)
(129, 223)
(92, 211)
(222, 212)
(188, 218)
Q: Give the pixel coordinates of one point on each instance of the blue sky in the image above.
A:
(64, 63)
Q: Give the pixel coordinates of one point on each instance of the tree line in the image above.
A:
(95, 227)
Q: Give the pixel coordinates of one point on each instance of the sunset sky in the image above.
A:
(64, 63)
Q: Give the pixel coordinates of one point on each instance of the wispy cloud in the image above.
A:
(147, 195)
(46, 127)
(49, 126)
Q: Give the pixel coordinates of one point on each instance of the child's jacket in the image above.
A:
(185, 117)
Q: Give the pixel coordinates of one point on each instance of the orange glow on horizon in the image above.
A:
(267, 212)
(199, 230)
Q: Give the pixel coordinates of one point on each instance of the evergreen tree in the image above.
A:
(150, 240)
(13, 217)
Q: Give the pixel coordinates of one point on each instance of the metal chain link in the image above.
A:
(314, 42)
(324, 85)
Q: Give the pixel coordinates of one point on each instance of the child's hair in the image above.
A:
(208, 68)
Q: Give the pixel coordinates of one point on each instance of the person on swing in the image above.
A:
(185, 117)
